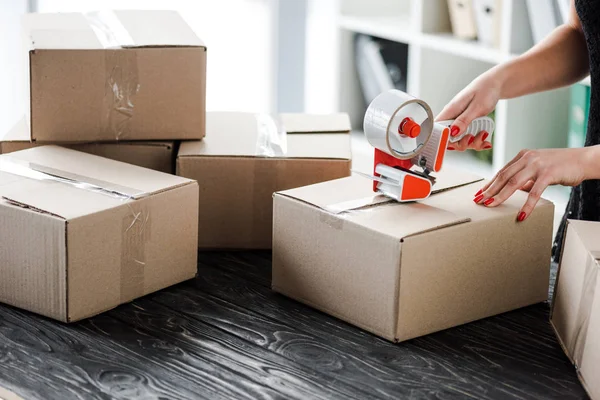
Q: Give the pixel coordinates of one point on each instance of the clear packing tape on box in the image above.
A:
(136, 223)
(122, 78)
(271, 140)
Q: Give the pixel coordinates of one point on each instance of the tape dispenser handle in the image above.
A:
(477, 125)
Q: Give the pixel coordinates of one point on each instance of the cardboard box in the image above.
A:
(159, 156)
(576, 304)
(122, 75)
(237, 187)
(405, 270)
(81, 234)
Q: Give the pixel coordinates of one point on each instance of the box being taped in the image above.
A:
(80, 234)
(245, 158)
(406, 270)
(576, 304)
(122, 75)
(156, 155)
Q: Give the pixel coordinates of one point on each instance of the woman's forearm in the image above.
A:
(559, 60)
(591, 162)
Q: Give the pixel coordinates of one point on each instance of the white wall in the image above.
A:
(238, 35)
(12, 98)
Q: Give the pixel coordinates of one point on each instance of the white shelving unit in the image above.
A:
(439, 66)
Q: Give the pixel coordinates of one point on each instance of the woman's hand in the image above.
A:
(535, 170)
(476, 100)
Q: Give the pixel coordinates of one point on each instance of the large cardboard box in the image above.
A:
(237, 186)
(120, 75)
(406, 270)
(81, 234)
(156, 155)
(576, 303)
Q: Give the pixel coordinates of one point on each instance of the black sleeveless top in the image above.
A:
(584, 203)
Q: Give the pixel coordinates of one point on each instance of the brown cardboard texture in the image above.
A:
(81, 234)
(237, 187)
(576, 304)
(119, 75)
(405, 270)
(159, 156)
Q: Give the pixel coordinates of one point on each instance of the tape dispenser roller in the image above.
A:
(408, 144)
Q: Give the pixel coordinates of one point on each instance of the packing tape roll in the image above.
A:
(384, 116)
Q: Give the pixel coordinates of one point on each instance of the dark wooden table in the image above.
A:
(226, 335)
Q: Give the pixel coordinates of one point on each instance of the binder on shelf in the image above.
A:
(381, 65)
(462, 18)
(542, 18)
(579, 110)
(488, 19)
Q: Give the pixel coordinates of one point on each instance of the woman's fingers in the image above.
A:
(455, 107)
(461, 122)
(462, 144)
(511, 162)
(511, 185)
(527, 187)
(505, 176)
(534, 196)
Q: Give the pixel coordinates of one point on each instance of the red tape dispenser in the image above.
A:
(408, 144)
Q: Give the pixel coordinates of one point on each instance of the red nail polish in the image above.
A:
(479, 192)
(471, 140)
(451, 148)
(485, 136)
(488, 201)
(478, 198)
(487, 146)
(454, 130)
(521, 216)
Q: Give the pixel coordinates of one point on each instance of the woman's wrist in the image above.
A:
(591, 162)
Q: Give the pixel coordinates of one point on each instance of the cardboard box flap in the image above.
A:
(97, 169)
(235, 134)
(108, 29)
(353, 200)
(315, 123)
(588, 234)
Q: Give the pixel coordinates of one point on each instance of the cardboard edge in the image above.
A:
(252, 157)
(31, 118)
(20, 204)
(67, 289)
(360, 325)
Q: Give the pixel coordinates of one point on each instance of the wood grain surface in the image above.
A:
(226, 335)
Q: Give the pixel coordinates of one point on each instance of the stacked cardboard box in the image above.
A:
(131, 82)
(237, 180)
(81, 233)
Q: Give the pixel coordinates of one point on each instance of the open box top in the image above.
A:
(108, 29)
(235, 134)
(28, 179)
